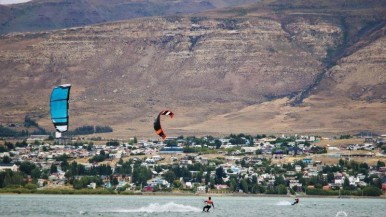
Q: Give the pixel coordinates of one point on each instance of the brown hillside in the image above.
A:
(223, 72)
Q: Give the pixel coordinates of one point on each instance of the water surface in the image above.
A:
(113, 205)
(9, 2)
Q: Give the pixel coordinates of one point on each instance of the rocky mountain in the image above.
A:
(39, 15)
(272, 67)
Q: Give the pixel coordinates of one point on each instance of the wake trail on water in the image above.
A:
(160, 208)
(283, 203)
(341, 214)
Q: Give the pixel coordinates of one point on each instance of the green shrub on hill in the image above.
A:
(371, 191)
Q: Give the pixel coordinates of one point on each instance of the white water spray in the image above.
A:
(341, 214)
(9, 2)
(283, 203)
(161, 208)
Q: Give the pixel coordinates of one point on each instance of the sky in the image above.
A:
(8, 2)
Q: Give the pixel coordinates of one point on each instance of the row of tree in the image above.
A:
(28, 123)
(88, 129)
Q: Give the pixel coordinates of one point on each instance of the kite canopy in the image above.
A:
(157, 123)
(59, 107)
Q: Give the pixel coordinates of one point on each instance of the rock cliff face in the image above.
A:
(229, 71)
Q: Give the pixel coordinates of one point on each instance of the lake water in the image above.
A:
(8, 2)
(113, 205)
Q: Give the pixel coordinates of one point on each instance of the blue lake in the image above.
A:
(113, 205)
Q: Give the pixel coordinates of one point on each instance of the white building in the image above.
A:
(156, 158)
(12, 167)
(92, 185)
(298, 168)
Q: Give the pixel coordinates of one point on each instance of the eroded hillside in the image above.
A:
(217, 72)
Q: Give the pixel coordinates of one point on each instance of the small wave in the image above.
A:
(160, 208)
(341, 214)
(283, 203)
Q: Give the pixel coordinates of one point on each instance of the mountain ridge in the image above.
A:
(225, 71)
(42, 15)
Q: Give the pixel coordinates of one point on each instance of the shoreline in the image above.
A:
(257, 195)
(185, 194)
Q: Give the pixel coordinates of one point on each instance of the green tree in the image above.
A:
(68, 174)
(26, 167)
(21, 144)
(77, 184)
(36, 173)
(64, 165)
(346, 184)
(13, 178)
(9, 145)
(7, 159)
(279, 180)
(31, 186)
(233, 185)
(341, 162)
(177, 183)
(217, 143)
(281, 189)
(90, 147)
(99, 158)
(115, 181)
(62, 157)
(140, 175)
(182, 172)
(258, 151)
(375, 181)
(372, 191)
(74, 169)
(244, 186)
(212, 182)
(199, 177)
(220, 174)
(243, 163)
(170, 176)
(45, 174)
(380, 164)
(3, 149)
(86, 180)
(125, 168)
(112, 143)
(207, 177)
(53, 169)
(330, 177)
(260, 189)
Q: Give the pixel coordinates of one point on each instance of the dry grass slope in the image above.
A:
(221, 72)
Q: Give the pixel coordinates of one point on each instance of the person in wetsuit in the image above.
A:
(209, 204)
(296, 201)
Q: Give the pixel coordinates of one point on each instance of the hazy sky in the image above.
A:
(8, 2)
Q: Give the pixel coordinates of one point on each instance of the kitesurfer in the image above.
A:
(157, 123)
(296, 201)
(209, 204)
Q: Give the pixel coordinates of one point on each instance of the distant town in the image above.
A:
(236, 164)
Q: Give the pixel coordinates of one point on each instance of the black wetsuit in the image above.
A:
(209, 204)
(296, 201)
(207, 207)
